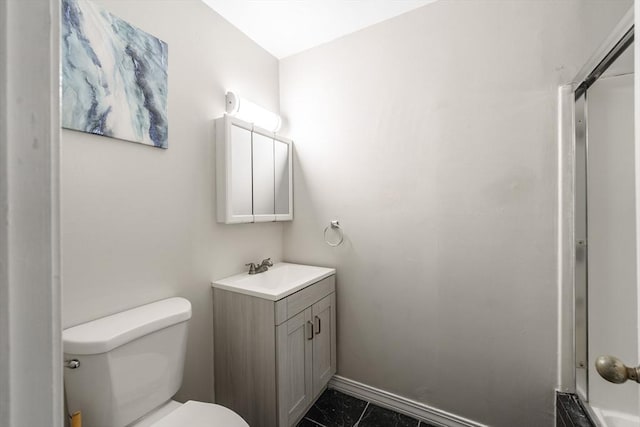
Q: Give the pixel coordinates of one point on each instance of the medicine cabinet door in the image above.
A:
(239, 192)
(263, 191)
(283, 179)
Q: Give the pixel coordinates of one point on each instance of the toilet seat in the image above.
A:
(200, 414)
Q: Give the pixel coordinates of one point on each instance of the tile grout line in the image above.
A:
(362, 414)
(314, 422)
(396, 412)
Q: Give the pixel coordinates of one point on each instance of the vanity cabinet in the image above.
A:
(306, 358)
(254, 180)
(273, 358)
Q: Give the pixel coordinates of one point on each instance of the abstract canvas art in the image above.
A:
(114, 76)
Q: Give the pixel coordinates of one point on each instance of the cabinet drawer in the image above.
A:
(304, 298)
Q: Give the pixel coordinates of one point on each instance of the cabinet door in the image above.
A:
(240, 185)
(283, 179)
(295, 342)
(233, 171)
(263, 176)
(324, 342)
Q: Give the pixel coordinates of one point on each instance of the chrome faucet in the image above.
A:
(264, 266)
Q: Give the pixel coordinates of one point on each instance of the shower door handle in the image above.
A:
(613, 370)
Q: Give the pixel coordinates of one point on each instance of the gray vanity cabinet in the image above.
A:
(272, 359)
(295, 365)
(324, 348)
(306, 358)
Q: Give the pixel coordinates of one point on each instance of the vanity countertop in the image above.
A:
(280, 281)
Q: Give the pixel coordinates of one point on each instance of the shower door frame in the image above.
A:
(572, 220)
(31, 354)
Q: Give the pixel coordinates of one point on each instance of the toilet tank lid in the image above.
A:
(105, 334)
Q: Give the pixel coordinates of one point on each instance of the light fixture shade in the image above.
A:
(252, 113)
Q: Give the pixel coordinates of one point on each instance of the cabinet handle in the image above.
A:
(317, 324)
(309, 330)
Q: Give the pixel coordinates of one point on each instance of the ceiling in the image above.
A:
(286, 27)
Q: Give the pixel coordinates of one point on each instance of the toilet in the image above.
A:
(122, 370)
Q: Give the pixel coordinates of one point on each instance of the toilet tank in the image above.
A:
(130, 362)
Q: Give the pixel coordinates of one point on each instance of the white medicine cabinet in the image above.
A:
(254, 180)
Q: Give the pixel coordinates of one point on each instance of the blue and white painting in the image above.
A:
(114, 76)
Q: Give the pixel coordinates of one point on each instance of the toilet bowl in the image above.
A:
(192, 414)
(129, 366)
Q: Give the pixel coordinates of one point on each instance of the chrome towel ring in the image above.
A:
(335, 225)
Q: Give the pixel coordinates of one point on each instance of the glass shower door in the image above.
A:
(608, 241)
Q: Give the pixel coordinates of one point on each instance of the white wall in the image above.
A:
(30, 347)
(139, 222)
(432, 138)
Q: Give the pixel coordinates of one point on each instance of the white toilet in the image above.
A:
(130, 365)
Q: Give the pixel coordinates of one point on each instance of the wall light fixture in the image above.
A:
(252, 113)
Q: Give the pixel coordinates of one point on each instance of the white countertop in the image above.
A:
(280, 281)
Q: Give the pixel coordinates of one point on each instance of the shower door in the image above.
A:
(606, 238)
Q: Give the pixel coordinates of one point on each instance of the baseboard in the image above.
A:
(399, 404)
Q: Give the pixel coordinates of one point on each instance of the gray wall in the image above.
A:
(138, 223)
(432, 138)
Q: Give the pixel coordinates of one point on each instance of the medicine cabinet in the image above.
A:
(254, 180)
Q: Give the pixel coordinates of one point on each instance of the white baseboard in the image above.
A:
(399, 404)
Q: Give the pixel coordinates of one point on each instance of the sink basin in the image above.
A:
(278, 282)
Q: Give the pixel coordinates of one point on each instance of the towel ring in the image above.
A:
(335, 225)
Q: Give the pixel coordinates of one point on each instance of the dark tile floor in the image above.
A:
(569, 412)
(335, 409)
